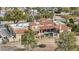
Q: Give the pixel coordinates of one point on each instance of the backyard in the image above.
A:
(48, 42)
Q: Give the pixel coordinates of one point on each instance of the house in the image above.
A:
(43, 27)
(48, 27)
(19, 28)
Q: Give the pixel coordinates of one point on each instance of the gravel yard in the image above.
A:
(49, 42)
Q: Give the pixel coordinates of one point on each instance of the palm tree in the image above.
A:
(28, 39)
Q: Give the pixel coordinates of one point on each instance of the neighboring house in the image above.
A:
(59, 19)
(65, 13)
(75, 12)
(19, 28)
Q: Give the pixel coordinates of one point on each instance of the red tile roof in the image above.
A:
(62, 27)
(44, 24)
(17, 31)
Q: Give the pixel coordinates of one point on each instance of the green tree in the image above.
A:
(75, 28)
(66, 41)
(58, 9)
(14, 14)
(1, 18)
(74, 8)
(66, 9)
(28, 39)
(71, 21)
(45, 13)
(30, 18)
